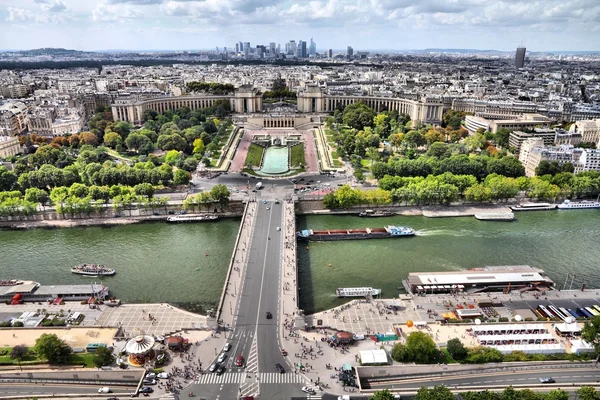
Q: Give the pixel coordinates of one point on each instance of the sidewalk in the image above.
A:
(237, 269)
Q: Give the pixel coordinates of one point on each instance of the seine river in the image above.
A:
(157, 262)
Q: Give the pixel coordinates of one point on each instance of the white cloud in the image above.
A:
(52, 5)
(16, 14)
(105, 12)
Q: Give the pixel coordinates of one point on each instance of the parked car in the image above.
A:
(227, 347)
(149, 381)
(146, 389)
(150, 375)
(222, 357)
(213, 367)
(220, 370)
(163, 375)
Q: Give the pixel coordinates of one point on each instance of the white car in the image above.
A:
(278, 228)
(105, 389)
(212, 367)
(149, 381)
(227, 347)
(163, 375)
(222, 357)
(308, 389)
(150, 375)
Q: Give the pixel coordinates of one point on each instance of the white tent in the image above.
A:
(368, 357)
(531, 348)
(581, 346)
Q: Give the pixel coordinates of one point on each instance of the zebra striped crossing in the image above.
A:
(240, 377)
(275, 377)
(314, 397)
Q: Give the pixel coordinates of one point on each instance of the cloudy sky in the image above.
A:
(364, 24)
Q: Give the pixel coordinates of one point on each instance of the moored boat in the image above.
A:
(93, 270)
(390, 231)
(10, 282)
(497, 216)
(357, 292)
(192, 218)
(374, 213)
(533, 207)
(578, 205)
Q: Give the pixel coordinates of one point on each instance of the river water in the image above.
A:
(559, 242)
(157, 262)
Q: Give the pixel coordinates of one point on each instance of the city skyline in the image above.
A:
(370, 25)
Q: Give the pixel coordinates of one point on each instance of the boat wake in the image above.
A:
(442, 232)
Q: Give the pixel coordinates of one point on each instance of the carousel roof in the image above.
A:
(139, 344)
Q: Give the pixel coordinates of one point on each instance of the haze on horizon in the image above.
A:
(548, 25)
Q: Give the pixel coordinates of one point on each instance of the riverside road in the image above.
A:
(252, 334)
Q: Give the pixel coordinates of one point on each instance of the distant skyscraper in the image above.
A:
(349, 52)
(241, 46)
(272, 47)
(520, 57)
(277, 49)
(291, 47)
(237, 48)
(302, 49)
(330, 53)
(313, 48)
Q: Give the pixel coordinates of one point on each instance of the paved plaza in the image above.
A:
(166, 319)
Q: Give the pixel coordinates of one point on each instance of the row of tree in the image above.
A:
(210, 87)
(346, 197)
(510, 393)
(218, 194)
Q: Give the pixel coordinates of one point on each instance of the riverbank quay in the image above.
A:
(105, 220)
(315, 207)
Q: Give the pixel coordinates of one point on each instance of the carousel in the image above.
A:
(140, 350)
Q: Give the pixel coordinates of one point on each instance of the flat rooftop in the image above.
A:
(487, 275)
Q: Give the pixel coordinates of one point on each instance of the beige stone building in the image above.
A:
(589, 130)
(9, 146)
(13, 118)
(533, 152)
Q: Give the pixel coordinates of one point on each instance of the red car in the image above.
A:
(239, 361)
(284, 353)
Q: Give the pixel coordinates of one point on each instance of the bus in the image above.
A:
(557, 312)
(592, 311)
(574, 313)
(585, 312)
(92, 347)
(565, 312)
(544, 312)
(596, 307)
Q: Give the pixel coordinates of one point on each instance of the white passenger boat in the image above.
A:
(93, 270)
(357, 292)
(533, 207)
(578, 205)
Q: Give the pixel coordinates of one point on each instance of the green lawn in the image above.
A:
(254, 156)
(297, 155)
(334, 155)
(86, 359)
(31, 358)
(337, 163)
(447, 357)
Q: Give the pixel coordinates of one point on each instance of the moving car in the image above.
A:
(213, 367)
(222, 357)
(239, 362)
(104, 389)
(547, 379)
(146, 389)
(269, 315)
(220, 370)
(227, 347)
(284, 352)
(280, 368)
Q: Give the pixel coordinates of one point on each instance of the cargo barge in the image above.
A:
(28, 291)
(374, 214)
(389, 231)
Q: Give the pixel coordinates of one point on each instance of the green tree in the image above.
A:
(88, 138)
(35, 195)
(172, 157)
(221, 195)
(198, 147)
(103, 356)
(591, 332)
(139, 143)
(358, 115)
(144, 189)
(557, 394)
(78, 190)
(457, 349)
(438, 150)
(434, 135)
(181, 177)
(414, 139)
(19, 352)
(171, 142)
(588, 393)
(419, 348)
(437, 393)
(50, 347)
(112, 139)
(7, 179)
(347, 197)
(384, 394)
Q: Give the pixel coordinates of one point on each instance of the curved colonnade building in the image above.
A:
(311, 99)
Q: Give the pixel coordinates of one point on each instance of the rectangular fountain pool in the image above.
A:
(275, 161)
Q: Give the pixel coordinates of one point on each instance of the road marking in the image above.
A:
(277, 378)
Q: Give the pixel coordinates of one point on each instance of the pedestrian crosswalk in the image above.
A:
(314, 396)
(240, 378)
(275, 377)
